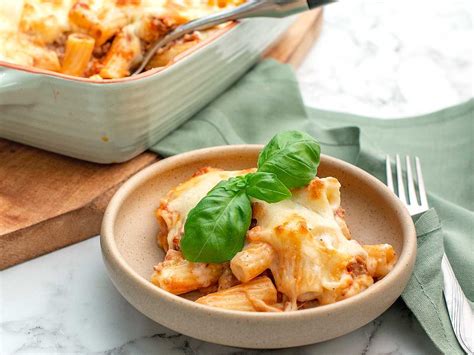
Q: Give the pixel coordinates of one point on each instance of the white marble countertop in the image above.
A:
(391, 58)
(378, 58)
(64, 302)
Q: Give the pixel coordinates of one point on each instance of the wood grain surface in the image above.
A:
(49, 201)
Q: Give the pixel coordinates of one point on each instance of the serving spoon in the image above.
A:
(257, 8)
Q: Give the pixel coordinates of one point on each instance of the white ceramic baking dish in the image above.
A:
(114, 121)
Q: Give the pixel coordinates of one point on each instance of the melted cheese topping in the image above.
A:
(309, 250)
(34, 32)
(175, 207)
(312, 251)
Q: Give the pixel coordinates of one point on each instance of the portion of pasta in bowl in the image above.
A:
(263, 251)
(296, 251)
(98, 39)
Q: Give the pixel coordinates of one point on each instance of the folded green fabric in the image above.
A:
(422, 294)
(267, 100)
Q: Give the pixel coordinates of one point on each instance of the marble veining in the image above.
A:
(64, 302)
(378, 58)
(391, 58)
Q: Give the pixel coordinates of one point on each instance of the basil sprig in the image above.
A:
(292, 156)
(266, 187)
(215, 228)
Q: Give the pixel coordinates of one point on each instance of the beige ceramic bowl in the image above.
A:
(374, 215)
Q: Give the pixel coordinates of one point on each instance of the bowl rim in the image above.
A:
(220, 32)
(405, 260)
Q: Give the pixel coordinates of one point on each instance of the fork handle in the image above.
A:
(460, 313)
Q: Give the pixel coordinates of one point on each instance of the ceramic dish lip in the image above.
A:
(406, 257)
(146, 74)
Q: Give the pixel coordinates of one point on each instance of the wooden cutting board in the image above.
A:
(49, 201)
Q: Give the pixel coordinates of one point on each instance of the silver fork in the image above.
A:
(460, 313)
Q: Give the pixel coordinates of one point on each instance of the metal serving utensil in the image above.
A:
(256, 8)
(460, 313)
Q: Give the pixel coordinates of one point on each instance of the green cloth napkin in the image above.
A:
(267, 100)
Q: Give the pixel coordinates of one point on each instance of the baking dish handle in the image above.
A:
(18, 88)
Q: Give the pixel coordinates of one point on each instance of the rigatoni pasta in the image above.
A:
(257, 295)
(255, 258)
(298, 252)
(177, 275)
(100, 25)
(125, 50)
(381, 258)
(38, 33)
(78, 52)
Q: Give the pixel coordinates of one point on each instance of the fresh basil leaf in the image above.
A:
(215, 229)
(235, 184)
(266, 187)
(292, 156)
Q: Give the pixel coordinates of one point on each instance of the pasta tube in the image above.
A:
(258, 295)
(382, 258)
(101, 28)
(156, 26)
(254, 259)
(79, 49)
(177, 275)
(167, 55)
(125, 50)
(162, 236)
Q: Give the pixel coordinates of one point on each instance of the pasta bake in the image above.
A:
(298, 252)
(98, 39)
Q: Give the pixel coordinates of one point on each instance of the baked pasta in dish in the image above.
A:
(298, 252)
(99, 39)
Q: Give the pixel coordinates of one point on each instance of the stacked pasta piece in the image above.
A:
(101, 39)
(298, 253)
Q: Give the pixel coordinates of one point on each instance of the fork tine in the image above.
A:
(401, 186)
(388, 169)
(421, 184)
(411, 183)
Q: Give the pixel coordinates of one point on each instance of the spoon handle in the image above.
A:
(312, 4)
(256, 8)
